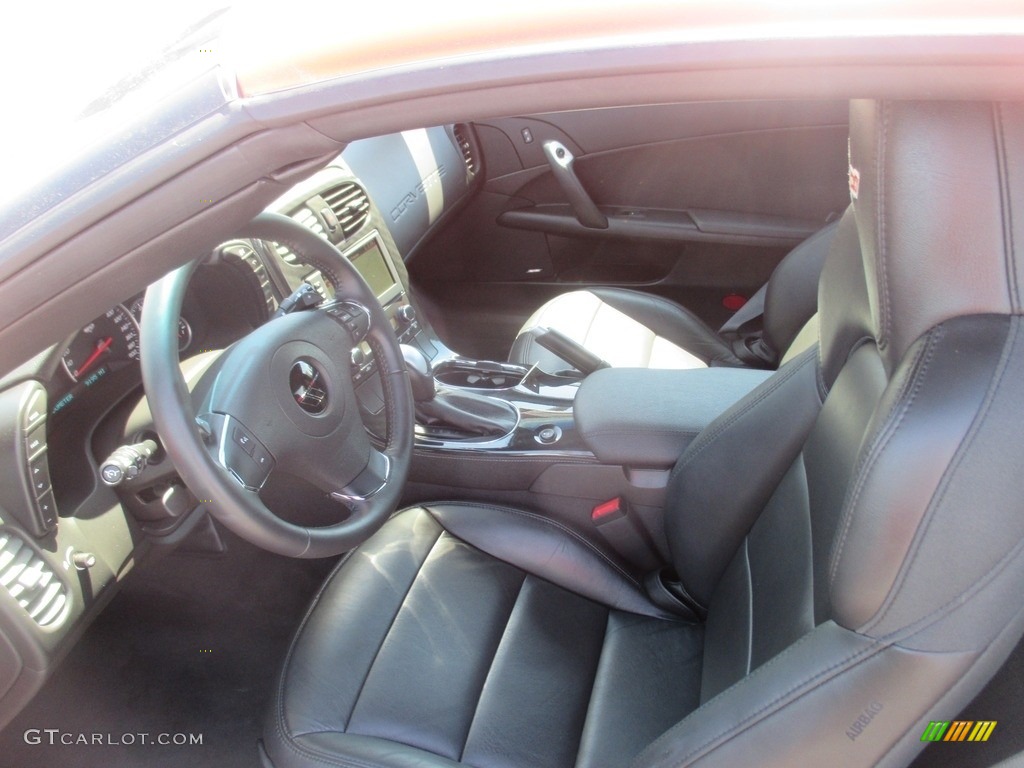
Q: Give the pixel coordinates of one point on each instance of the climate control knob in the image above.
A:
(406, 314)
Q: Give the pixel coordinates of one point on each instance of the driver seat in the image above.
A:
(849, 537)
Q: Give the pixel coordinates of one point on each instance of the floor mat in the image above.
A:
(188, 652)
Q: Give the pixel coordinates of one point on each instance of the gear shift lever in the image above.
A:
(420, 374)
(464, 412)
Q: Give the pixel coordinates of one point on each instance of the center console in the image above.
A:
(565, 446)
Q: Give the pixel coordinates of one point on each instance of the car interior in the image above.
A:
(701, 421)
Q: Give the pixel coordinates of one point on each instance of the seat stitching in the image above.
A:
(490, 668)
(882, 256)
(1010, 253)
(391, 625)
(593, 318)
(984, 411)
(463, 456)
(287, 737)
(281, 727)
(547, 521)
(810, 683)
(848, 661)
(326, 758)
(750, 604)
(862, 472)
(722, 351)
(305, 619)
(391, 404)
(645, 432)
(593, 684)
(712, 434)
(903, 634)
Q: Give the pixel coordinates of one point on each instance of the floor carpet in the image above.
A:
(192, 645)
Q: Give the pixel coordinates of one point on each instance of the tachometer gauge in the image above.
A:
(107, 343)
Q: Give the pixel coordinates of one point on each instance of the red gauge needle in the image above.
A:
(101, 347)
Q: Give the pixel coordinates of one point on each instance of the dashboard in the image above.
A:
(66, 537)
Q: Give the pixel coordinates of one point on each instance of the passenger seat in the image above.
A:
(628, 328)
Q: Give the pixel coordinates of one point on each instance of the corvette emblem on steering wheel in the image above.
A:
(308, 387)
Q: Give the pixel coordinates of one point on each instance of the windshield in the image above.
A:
(77, 74)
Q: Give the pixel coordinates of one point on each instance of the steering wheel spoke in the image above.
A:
(372, 480)
(239, 451)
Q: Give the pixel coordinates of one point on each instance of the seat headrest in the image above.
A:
(933, 187)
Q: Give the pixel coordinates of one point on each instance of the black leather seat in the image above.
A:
(631, 329)
(852, 530)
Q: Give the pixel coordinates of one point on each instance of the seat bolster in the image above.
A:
(547, 549)
(727, 475)
(626, 328)
(354, 751)
(834, 697)
(791, 295)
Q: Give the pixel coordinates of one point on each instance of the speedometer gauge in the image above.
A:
(107, 343)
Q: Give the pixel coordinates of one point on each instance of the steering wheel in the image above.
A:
(282, 399)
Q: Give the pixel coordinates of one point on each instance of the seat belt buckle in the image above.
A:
(623, 532)
(608, 511)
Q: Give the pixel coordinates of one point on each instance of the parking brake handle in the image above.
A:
(561, 159)
(570, 350)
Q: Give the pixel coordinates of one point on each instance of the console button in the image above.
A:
(548, 435)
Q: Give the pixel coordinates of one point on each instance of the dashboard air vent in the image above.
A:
(308, 219)
(461, 132)
(30, 581)
(350, 204)
(286, 255)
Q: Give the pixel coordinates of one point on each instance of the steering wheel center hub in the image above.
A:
(308, 387)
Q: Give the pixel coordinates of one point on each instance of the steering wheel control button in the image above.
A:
(308, 387)
(262, 458)
(548, 435)
(354, 316)
(242, 454)
(39, 473)
(35, 408)
(245, 441)
(47, 510)
(35, 440)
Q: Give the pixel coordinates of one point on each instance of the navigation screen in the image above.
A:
(371, 265)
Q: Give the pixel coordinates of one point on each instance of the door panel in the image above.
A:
(703, 201)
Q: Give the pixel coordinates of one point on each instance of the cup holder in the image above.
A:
(480, 376)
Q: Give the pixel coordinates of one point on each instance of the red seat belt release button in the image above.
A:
(607, 511)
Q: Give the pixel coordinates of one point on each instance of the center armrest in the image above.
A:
(640, 417)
